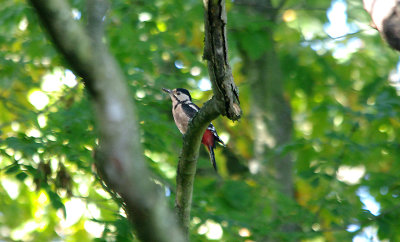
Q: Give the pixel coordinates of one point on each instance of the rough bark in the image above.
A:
(188, 161)
(216, 54)
(225, 101)
(119, 157)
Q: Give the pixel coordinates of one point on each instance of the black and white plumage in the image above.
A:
(214, 132)
(183, 110)
(182, 107)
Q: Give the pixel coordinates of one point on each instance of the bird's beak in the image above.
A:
(167, 90)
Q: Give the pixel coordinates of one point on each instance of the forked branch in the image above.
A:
(225, 101)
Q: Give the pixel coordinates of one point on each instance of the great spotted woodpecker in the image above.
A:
(183, 110)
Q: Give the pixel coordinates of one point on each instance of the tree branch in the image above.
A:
(188, 160)
(385, 15)
(225, 102)
(119, 157)
(96, 11)
(216, 53)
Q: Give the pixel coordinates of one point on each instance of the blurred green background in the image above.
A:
(315, 156)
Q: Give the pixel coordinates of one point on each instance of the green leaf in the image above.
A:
(56, 201)
(21, 176)
(236, 194)
(13, 169)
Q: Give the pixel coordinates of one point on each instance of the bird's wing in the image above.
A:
(214, 132)
(190, 109)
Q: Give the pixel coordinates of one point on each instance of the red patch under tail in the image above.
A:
(209, 142)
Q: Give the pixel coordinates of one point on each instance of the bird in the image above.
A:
(183, 110)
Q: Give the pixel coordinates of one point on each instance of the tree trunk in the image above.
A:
(119, 156)
(272, 125)
(270, 112)
(271, 118)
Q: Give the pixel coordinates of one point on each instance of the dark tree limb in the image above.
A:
(188, 160)
(119, 156)
(225, 102)
(216, 54)
(385, 15)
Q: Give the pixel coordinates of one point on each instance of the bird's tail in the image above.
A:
(212, 157)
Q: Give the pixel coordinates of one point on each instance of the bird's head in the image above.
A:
(178, 94)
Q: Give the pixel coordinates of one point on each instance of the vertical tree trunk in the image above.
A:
(272, 124)
(271, 118)
(225, 101)
(270, 111)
